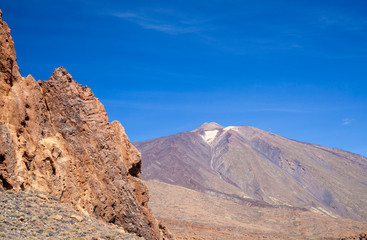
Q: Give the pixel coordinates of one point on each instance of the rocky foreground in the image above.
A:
(35, 215)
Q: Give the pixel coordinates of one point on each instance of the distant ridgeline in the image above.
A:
(254, 167)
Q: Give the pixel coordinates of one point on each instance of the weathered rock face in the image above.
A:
(55, 137)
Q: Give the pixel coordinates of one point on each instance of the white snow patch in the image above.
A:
(209, 136)
(231, 128)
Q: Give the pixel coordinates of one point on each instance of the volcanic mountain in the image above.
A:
(256, 168)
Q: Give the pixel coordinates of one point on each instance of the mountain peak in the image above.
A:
(61, 74)
(254, 165)
(208, 126)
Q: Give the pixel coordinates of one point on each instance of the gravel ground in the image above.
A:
(36, 215)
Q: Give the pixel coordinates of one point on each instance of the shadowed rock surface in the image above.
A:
(257, 168)
(55, 137)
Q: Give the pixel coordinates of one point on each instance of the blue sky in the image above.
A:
(295, 68)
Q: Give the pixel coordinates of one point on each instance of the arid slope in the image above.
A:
(193, 215)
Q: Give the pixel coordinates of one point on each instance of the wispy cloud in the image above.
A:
(347, 121)
(253, 34)
(157, 20)
(342, 21)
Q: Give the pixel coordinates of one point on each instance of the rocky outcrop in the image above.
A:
(55, 137)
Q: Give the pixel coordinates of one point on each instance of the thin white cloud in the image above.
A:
(347, 121)
(168, 28)
(343, 21)
(157, 23)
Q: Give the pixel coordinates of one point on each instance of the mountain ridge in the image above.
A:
(250, 163)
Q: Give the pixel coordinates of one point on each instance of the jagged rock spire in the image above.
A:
(9, 71)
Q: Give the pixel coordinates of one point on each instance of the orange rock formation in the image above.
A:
(55, 137)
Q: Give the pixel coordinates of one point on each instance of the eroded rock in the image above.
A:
(55, 137)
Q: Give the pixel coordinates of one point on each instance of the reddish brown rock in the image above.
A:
(55, 137)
